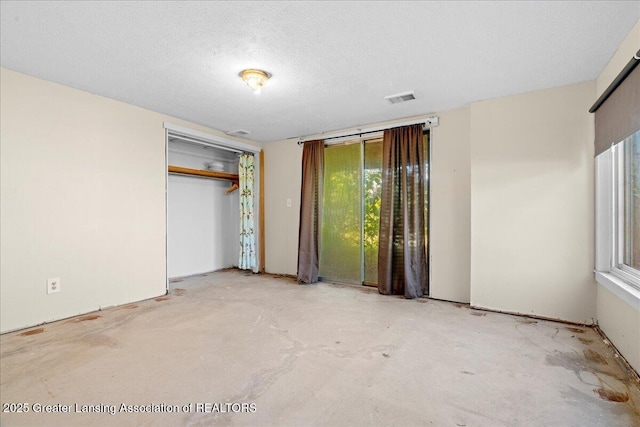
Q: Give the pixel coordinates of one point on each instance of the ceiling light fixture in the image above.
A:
(255, 79)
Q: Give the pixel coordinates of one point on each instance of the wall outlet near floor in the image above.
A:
(53, 285)
(288, 203)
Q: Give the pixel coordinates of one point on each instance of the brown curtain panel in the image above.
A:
(402, 256)
(310, 211)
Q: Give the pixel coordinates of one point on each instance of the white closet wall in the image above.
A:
(202, 218)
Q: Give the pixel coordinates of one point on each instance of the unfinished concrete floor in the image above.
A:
(311, 355)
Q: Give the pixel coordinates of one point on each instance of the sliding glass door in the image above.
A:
(351, 211)
(341, 213)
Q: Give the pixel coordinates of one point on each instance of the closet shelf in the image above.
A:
(197, 172)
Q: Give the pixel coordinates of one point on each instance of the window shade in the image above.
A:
(619, 115)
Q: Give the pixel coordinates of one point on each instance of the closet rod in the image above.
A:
(197, 172)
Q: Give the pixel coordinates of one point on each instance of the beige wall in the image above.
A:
(618, 320)
(532, 216)
(450, 204)
(282, 181)
(82, 199)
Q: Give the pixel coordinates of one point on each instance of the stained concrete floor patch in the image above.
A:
(231, 348)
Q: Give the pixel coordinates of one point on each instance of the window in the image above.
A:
(618, 214)
(631, 231)
(626, 181)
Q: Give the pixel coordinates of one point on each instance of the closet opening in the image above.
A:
(213, 204)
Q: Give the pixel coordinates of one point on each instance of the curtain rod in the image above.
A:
(429, 121)
(633, 62)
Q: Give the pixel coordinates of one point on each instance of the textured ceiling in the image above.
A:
(332, 62)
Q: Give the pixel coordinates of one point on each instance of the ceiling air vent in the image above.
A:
(238, 132)
(400, 97)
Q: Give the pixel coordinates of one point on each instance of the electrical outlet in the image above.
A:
(53, 285)
(288, 203)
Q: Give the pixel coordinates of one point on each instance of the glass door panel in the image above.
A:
(340, 256)
(371, 222)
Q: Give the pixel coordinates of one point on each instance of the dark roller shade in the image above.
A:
(618, 115)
